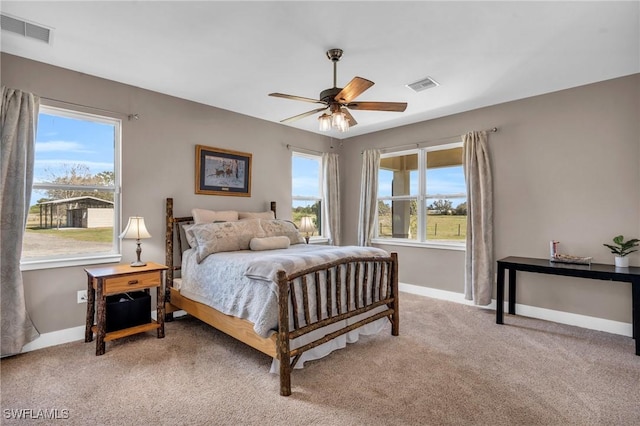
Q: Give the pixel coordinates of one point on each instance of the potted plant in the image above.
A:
(621, 249)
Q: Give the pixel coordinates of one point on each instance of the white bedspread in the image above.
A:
(242, 283)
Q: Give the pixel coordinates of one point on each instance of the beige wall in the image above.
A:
(566, 166)
(158, 156)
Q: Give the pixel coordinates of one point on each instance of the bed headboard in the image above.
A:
(174, 233)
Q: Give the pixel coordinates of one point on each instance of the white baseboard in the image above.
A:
(615, 327)
(584, 321)
(70, 335)
(56, 338)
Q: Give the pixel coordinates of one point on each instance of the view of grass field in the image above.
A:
(447, 227)
(101, 235)
(439, 227)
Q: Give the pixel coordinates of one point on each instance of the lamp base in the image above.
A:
(306, 239)
(138, 262)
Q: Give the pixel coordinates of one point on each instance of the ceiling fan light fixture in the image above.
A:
(344, 124)
(325, 122)
(337, 119)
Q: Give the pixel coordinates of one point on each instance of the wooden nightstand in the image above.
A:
(103, 281)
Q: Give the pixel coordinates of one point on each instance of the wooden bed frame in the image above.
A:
(380, 272)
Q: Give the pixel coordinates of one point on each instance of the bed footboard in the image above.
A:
(331, 293)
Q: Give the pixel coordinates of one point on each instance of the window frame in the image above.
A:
(317, 157)
(78, 259)
(421, 202)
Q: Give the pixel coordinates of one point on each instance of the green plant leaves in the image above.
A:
(622, 248)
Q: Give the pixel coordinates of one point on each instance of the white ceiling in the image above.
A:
(232, 54)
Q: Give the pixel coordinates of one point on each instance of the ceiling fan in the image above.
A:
(339, 100)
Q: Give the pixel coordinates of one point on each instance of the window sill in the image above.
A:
(318, 240)
(36, 264)
(427, 244)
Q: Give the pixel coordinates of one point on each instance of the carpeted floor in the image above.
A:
(451, 364)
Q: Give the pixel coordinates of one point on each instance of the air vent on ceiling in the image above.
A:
(26, 29)
(424, 84)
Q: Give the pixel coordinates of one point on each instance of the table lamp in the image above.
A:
(306, 225)
(136, 229)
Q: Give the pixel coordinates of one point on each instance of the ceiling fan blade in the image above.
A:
(303, 115)
(352, 90)
(352, 121)
(378, 106)
(296, 98)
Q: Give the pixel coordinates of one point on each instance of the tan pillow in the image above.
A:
(224, 236)
(269, 243)
(208, 216)
(256, 215)
(277, 228)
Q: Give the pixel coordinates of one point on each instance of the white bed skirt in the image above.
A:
(339, 342)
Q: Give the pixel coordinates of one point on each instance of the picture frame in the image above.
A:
(222, 172)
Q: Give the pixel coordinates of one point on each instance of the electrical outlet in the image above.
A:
(82, 296)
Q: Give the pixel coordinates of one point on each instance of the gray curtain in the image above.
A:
(479, 256)
(331, 197)
(368, 196)
(18, 117)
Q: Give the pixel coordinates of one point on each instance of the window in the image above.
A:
(422, 196)
(74, 210)
(306, 189)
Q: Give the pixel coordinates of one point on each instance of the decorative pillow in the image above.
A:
(269, 243)
(277, 228)
(224, 236)
(186, 236)
(260, 215)
(191, 240)
(208, 216)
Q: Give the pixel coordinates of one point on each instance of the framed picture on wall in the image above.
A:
(222, 172)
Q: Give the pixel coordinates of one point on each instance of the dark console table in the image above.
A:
(596, 271)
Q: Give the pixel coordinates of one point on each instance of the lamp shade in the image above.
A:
(306, 224)
(135, 229)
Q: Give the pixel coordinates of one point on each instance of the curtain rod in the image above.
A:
(417, 145)
(129, 116)
(304, 150)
